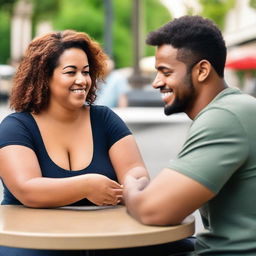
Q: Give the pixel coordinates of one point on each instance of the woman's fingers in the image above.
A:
(114, 197)
(115, 185)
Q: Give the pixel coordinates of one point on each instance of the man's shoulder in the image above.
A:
(233, 99)
(218, 121)
(229, 104)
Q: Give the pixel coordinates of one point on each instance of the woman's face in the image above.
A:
(71, 81)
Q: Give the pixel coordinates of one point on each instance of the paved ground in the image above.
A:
(158, 141)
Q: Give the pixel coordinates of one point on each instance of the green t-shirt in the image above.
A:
(220, 153)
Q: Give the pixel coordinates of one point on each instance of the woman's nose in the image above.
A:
(80, 79)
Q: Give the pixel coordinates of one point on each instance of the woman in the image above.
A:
(58, 148)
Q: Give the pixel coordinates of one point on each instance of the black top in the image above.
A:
(107, 128)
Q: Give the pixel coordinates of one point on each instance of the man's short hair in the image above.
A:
(196, 38)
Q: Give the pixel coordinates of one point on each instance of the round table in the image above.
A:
(77, 228)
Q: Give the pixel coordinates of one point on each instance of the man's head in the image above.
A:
(196, 38)
(181, 45)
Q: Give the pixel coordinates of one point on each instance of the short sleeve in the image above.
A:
(114, 126)
(14, 132)
(216, 147)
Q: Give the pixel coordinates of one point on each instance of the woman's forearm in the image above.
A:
(53, 192)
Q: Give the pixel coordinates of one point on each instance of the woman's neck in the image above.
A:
(63, 115)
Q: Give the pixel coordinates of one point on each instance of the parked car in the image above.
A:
(6, 74)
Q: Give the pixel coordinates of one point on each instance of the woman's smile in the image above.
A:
(78, 90)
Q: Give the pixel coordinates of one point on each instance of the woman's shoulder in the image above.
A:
(17, 116)
(17, 120)
(99, 108)
(106, 115)
(101, 111)
(17, 129)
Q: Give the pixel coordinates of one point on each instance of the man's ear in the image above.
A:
(202, 70)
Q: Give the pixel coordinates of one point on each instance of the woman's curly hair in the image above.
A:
(30, 91)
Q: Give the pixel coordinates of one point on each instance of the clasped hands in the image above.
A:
(104, 191)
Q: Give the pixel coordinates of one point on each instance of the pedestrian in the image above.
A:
(113, 90)
(216, 167)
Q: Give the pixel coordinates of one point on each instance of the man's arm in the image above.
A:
(167, 200)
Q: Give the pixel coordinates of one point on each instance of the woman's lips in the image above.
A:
(78, 91)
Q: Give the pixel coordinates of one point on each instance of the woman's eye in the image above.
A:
(70, 72)
(86, 72)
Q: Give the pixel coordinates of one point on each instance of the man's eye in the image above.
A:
(166, 73)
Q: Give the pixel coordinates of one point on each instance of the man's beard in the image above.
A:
(177, 106)
(181, 105)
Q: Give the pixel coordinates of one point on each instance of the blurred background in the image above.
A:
(121, 28)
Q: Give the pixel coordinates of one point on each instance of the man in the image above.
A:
(216, 167)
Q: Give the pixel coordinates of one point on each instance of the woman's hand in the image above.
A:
(103, 191)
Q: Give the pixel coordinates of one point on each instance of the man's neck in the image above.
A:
(206, 95)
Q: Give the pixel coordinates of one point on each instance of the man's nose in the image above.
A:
(158, 82)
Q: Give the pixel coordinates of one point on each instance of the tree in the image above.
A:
(6, 7)
(44, 10)
(5, 36)
(88, 16)
(216, 10)
(253, 3)
(7, 4)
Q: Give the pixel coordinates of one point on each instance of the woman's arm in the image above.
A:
(126, 159)
(21, 173)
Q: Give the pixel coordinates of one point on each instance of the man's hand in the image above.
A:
(131, 183)
(132, 186)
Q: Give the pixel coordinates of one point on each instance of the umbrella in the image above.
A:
(241, 58)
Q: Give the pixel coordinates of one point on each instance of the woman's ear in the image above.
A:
(202, 70)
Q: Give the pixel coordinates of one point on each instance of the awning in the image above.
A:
(241, 58)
